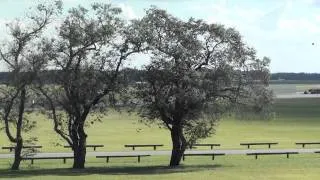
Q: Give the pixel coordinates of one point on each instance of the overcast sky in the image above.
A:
(283, 30)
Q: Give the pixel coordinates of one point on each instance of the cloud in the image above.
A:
(233, 16)
(2, 23)
(301, 25)
(299, 21)
(278, 22)
(314, 3)
(269, 20)
(3, 29)
(283, 31)
(127, 11)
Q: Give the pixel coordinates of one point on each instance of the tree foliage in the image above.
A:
(87, 55)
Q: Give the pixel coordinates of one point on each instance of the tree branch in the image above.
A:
(6, 116)
(208, 54)
(55, 119)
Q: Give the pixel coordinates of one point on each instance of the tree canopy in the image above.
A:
(20, 57)
(198, 72)
(87, 55)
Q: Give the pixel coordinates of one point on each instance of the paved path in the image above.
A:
(93, 154)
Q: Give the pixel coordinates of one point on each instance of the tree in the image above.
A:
(198, 72)
(87, 57)
(23, 63)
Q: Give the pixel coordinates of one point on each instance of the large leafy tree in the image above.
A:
(19, 55)
(87, 56)
(198, 72)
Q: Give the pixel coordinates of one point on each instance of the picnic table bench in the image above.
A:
(94, 146)
(143, 145)
(271, 153)
(304, 143)
(49, 157)
(11, 148)
(122, 156)
(259, 143)
(203, 154)
(211, 145)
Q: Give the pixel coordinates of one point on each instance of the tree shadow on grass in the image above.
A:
(144, 170)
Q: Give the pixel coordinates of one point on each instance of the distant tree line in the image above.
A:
(295, 76)
(133, 75)
(130, 75)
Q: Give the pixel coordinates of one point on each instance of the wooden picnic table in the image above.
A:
(46, 158)
(122, 156)
(305, 143)
(94, 146)
(202, 154)
(271, 153)
(204, 144)
(259, 143)
(133, 146)
(11, 148)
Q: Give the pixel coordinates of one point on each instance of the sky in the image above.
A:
(283, 30)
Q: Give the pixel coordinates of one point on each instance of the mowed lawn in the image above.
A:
(295, 120)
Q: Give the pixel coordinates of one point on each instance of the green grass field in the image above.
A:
(296, 120)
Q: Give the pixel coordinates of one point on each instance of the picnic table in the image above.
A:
(271, 153)
(11, 148)
(206, 144)
(94, 146)
(202, 154)
(122, 156)
(305, 143)
(46, 158)
(133, 146)
(259, 143)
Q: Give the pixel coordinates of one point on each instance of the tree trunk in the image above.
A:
(17, 154)
(178, 145)
(79, 148)
(19, 141)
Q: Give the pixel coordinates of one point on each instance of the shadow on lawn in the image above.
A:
(145, 170)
